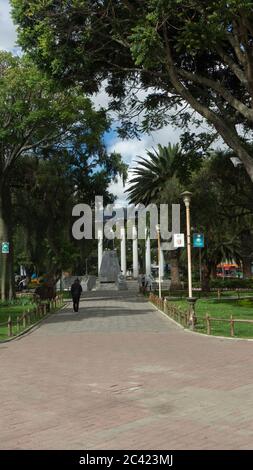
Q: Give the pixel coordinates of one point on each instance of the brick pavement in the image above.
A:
(119, 375)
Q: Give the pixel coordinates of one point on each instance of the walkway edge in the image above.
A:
(32, 327)
(197, 332)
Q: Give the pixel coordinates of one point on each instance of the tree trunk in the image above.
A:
(213, 272)
(7, 274)
(206, 274)
(246, 266)
(3, 257)
(9, 218)
(11, 276)
(175, 276)
(247, 252)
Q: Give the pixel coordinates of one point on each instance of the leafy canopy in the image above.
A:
(35, 113)
(159, 168)
(178, 51)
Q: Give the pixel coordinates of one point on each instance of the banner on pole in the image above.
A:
(5, 248)
(178, 240)
(198, 240)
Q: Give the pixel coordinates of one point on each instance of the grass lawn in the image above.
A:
(16, 309)
(223, 308)
(66, 294)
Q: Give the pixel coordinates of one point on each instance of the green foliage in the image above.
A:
(59, 179)
(20, 302)
(221, 210)
(34, 112)
(51, 148)
(221, 205)
(231, 283)
(145, 45)
(177, 51)
(160, 167)
(245, 303)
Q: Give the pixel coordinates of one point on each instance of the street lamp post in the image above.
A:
(159, 261)
(186, 195)
(86, 266)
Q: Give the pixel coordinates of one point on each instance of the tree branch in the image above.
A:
(235, 42)
(239, 73)
(216, 86)
(226, 131)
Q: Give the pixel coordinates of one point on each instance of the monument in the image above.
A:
(110, 268)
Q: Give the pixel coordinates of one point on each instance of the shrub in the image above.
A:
(232, 283)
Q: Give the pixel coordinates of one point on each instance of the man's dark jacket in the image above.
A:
(76, 290)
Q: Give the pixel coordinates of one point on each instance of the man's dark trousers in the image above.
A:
(76, 301)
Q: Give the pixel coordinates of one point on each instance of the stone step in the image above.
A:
(106, 286)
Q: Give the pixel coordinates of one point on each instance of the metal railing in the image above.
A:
(182, 317)
(31, 316)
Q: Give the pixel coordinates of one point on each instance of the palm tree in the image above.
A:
(150, 177)
(152, 173)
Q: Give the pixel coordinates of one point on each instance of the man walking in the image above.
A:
(76, 290)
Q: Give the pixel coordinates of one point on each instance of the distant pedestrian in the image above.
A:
(148, 284)
(76, 290)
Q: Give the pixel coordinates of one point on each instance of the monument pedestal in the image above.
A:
(121, 282)
(110, 268)
(110, 276)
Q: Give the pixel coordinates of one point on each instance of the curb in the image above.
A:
(167, 316)
(30, 328)
(198, 333)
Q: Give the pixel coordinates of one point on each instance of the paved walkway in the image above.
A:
(119, 375)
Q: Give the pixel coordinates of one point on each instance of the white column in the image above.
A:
(161, 260)
(148, 255)
(123, 250)
(100, 248)
(135, 254)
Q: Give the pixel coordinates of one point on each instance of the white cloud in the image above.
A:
(118, 190)
(130, 150)
(101, 99)
(8, 35)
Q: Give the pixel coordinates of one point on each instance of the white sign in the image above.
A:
(178, 240)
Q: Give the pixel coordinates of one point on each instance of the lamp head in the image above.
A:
(186, 195)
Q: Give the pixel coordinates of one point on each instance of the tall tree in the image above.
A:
(179, 51)
(158, 168)
(166, 166)
(36, 116)
(43, 204)
(222, 209)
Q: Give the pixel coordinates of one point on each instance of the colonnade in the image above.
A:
(135, 254)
